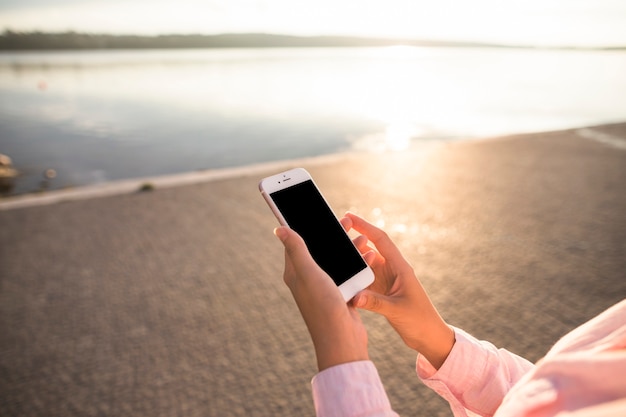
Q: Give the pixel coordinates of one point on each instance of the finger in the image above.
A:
(372, 301)
(296, 251)
(361, 243)
(377, 236)
(371, 257)
(346, 222)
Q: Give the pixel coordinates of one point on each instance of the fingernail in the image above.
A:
(280, 233)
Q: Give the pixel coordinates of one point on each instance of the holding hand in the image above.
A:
(398, 295)
(335, 327)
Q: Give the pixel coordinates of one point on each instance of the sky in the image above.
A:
(535, 22)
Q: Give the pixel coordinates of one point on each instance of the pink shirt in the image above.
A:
(583, 375)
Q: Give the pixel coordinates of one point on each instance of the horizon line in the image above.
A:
(269, 39)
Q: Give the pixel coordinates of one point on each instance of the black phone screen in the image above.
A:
(306, 212)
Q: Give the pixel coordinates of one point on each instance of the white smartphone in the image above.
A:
(297, 203)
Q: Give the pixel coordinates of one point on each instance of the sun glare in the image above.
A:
(399, 89)
(398, 136)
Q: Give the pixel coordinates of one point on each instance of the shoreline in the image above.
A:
(596, 133)
(135, 185)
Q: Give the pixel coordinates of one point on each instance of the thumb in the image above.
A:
(371, 301)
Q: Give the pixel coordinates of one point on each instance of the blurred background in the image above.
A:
(95, 91)
(170, 302)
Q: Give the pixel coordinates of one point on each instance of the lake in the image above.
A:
(98, 116)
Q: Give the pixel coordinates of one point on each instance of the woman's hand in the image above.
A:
(398, 295)
(336, 329)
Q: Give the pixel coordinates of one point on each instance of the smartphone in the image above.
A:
(297, 203)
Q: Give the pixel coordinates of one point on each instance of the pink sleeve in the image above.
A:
(475, 377)
(351, 389)
(581, 376)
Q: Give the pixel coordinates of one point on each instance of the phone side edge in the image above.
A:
(272, 206)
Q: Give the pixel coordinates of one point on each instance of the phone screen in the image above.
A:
(306, 212)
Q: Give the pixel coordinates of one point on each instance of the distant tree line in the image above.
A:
(11, 40)
(73, 40)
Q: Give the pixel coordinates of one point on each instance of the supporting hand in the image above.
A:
(398, 295)
(336, 329)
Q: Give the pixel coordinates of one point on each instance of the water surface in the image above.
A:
(97, 116)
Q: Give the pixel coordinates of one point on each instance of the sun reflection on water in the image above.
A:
(398, 136)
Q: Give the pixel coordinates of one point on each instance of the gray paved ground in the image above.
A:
(171, 303)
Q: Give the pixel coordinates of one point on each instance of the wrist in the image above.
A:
(325, 361)
(438, 344)
(331, 351)
(345, 344)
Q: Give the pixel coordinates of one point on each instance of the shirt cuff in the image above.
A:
(453, 376)
(457, 369)
(475, 376)
(350, 389)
